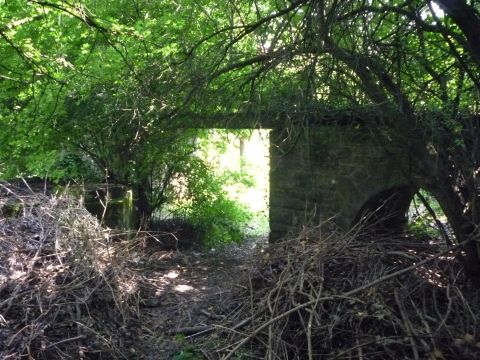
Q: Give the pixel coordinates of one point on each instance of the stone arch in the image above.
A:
(386, 211)
(337, 174)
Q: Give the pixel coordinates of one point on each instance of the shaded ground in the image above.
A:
(71, 290)
(189, 291)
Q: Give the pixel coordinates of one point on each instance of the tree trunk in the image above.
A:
(462, 225)
(468, 20)
(142, 205)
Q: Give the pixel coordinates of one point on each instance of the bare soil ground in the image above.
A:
(189, 291)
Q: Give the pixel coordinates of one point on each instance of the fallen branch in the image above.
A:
(192, 330)
(80, 337)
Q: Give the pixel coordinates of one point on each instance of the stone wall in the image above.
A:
(324, 172)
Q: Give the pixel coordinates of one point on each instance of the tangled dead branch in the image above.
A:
(337, 296)
(67, 290)
(64, 292)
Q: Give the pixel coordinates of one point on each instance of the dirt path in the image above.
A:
(188, 290)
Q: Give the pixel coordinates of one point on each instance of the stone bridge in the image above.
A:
(336, 172)
(324, 169)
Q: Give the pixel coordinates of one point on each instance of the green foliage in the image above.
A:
(73, 167)
(421, 223)
(188, 351)
(422, 227)
(203, 200)
(55, 54)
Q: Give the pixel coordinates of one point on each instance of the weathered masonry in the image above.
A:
(335, 172)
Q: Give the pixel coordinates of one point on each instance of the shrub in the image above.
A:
(203, 200)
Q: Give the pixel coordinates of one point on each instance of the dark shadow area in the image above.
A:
(387, 211)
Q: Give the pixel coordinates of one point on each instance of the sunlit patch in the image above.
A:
(172, 274)
(436, 9)
(183, 288)
(432, 276)
(128, 286)
(248, 154)
(17, 274)
(253, 153)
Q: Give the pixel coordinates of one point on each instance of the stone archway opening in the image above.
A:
(402, 209)
(427, 220)
(386, 211)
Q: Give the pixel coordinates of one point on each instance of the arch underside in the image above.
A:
(386, 211)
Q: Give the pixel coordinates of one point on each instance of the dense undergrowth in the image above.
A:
(343, 296)
(70, 290)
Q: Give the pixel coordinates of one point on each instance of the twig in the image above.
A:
(212, 316)
(199, 330)
(79, 337)
(449, 309)
(192, 330)
(309, 327)
(407, 324)
(359, 349)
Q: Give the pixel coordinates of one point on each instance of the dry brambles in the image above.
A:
(63, 289)
(69, 290)
(353, 296)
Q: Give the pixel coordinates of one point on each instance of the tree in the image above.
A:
(413, 65)
(130, 143)
(106, 90)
